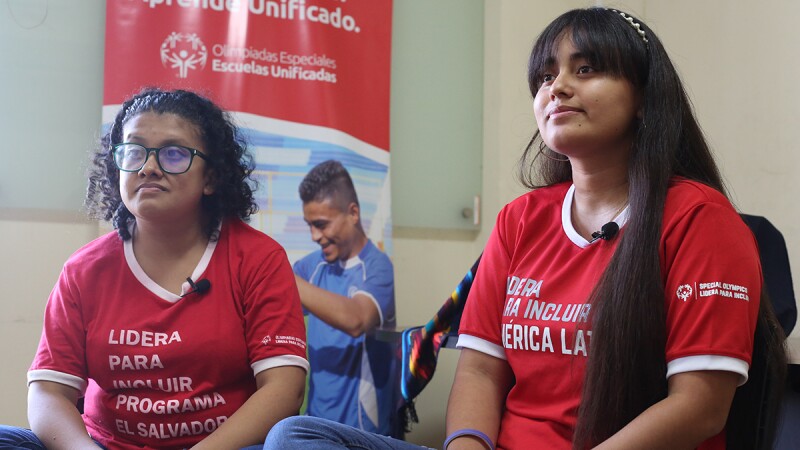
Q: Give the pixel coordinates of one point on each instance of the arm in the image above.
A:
(279, 395)
(55, 419)
(355, 316)
(695, 409)
(477, 398)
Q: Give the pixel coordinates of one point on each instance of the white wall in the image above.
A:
(50, 92)
(736, 57)
(34, 249)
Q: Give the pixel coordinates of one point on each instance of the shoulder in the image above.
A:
(97, 252)
(311, 259)
(687, 193)
(697, 215)
(531, 212)
(538, 200)
(244, 238)
(372, 255)
(249, 251)
(687, 198)
(542, 196)
(307, 264)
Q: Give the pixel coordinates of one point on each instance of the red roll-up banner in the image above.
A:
(307, 80)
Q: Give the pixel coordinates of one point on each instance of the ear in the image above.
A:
(354, 212)
(210, 182)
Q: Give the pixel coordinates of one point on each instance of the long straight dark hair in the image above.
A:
(626, 369)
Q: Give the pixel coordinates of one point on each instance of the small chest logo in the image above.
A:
(684, 292)
(183, 51)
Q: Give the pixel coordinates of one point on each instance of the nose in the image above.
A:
(561, 86)
(316, 235)
(150, 166)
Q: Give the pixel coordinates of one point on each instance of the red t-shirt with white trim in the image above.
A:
(159, 370)
(529, 302)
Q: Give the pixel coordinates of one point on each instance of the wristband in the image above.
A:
(469, 432)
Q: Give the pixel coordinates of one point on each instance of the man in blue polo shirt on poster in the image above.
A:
(347, 288)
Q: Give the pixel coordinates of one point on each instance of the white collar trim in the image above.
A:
(566, 219)
(350, 263)
(154, 287)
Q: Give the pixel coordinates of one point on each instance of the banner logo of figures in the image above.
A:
(183, 51)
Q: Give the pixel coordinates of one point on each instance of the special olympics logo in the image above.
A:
(183, 51)
(684, 292)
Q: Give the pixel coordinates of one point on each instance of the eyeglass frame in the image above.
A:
(157, 150)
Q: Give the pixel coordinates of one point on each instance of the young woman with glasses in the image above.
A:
(183, 328)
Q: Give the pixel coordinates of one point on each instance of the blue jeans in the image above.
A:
(314, 433)
(16, 438)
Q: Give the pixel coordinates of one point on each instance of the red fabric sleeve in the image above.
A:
(273, 316)
(713, 284)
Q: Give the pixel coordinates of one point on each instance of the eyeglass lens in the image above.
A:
(173, 159)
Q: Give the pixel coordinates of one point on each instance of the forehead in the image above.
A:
(563, 51)
(166, 127)
(321, 210)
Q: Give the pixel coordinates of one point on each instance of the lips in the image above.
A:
(555, 110)
(327, 248)
(150, 186)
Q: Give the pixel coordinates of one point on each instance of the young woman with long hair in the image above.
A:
(616, 303)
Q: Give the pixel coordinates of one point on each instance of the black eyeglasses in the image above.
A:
(172, 159)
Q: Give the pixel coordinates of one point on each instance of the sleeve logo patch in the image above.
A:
(284, 340)
(684, 292)
(712, 289)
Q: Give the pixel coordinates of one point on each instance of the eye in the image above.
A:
(547, 78)
(130, 152)
(133, 151)
(174, 153)
(585, 69)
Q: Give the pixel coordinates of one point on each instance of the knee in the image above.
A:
(293, 431)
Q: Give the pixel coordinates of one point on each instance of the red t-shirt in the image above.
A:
(159, 370)
(529, 302)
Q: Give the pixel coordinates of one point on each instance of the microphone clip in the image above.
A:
(193, 285)
(606, 233)
(200, 287)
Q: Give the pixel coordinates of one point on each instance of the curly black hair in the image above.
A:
(229, 161)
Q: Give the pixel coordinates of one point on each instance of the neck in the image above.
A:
(168, 240)
(600, 195)
(358, 244)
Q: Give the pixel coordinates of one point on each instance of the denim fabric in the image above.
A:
(314, 433)
(22, 438)
(15, 438)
